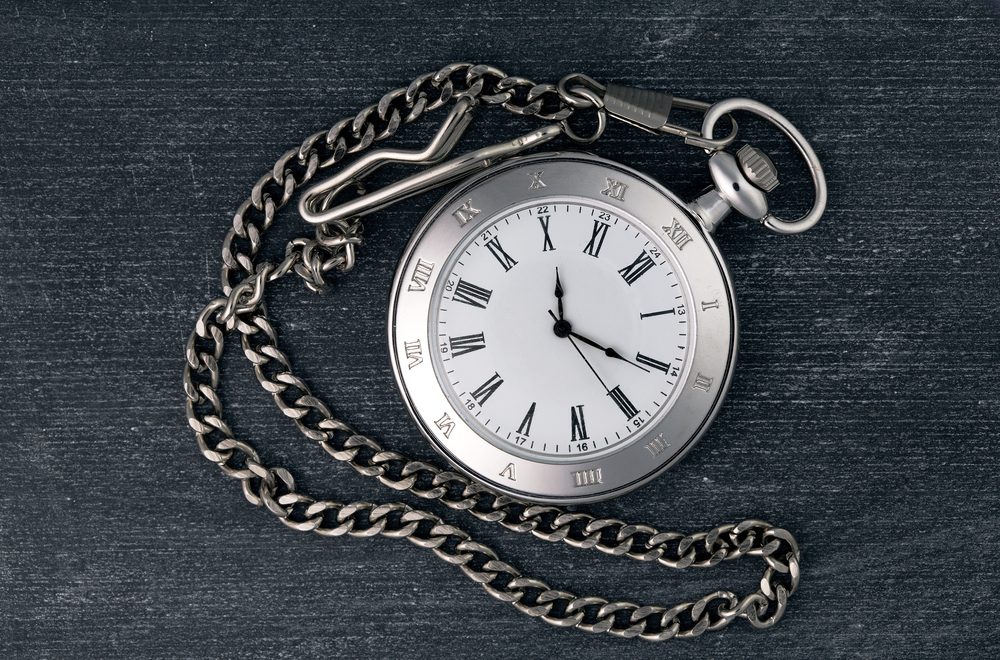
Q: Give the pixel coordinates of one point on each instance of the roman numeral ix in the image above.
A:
(465, 213)
(497, 251)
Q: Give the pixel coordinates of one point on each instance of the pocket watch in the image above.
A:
(562, 329)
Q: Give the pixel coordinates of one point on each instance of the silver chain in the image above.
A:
(332, 250)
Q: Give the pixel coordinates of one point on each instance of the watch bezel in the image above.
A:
(654, 449)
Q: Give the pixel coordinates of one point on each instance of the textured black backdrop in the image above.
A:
(863, 416)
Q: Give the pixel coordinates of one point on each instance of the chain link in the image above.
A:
(332, 250)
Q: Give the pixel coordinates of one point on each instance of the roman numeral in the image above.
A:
(578, 425)
(421, 275)
(637, 268)
(650, 362)
(525, 427)
(657, 445)
(482, 393)
(445, 424)
(466, 344)
(702, 382)
(596, 239)
(677, 234)
(413, 352)
(465, 213)
(665, 311)
(470, 294)
(709, 304)
(588, 477)
(536, 181)
(547, 241)
(615, 190)
(626, 406)
(505, 259)
(509, 472)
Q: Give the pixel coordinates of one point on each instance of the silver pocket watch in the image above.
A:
(562, 328)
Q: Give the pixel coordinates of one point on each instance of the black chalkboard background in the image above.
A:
(863, 416)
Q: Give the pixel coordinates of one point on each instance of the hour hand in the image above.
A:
(559, 295)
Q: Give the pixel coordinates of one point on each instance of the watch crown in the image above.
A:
(758, 168)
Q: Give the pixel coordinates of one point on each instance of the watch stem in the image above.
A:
(757, 168)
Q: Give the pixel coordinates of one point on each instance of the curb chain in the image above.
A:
(240, 309)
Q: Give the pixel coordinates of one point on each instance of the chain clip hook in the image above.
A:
(649, 110)
(316, 206)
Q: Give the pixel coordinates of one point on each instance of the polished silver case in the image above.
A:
(711, 315)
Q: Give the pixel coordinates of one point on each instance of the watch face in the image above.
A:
(561, 328)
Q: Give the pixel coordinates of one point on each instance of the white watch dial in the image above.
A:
(532, 380)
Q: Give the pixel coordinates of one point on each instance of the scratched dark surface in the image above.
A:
(863, 416)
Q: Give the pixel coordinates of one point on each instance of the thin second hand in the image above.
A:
(594, 371)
